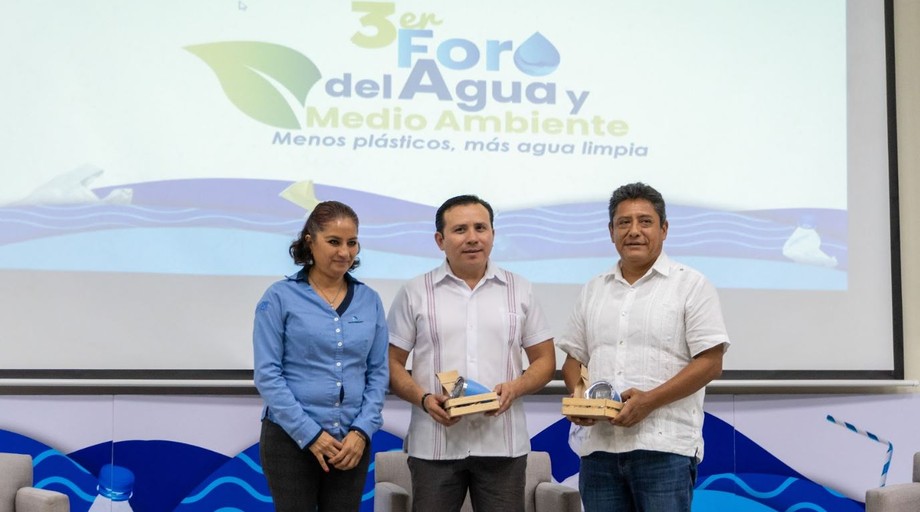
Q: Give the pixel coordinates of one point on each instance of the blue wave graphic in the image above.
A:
(240, 482)
(56, 482)
(165, 471)
(253, 465)
(53, 470)
(781, 493)
(227, 481)
(723, 482)
(746, 488)
(183, 478)
(243, 227)
(390, 225)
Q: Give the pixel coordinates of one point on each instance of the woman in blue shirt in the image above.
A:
(320, 345)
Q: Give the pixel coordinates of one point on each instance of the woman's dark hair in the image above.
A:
(323, 214)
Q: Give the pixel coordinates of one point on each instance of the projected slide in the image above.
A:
(159, 157)
(211, 138)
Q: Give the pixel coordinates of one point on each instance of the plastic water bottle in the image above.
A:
(116, 486)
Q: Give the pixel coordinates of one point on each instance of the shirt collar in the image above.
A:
(662, 266)
(301, 275)
(441, 273)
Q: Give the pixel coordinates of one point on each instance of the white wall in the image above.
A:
(907, 47)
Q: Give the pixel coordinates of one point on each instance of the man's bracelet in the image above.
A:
(425, 397)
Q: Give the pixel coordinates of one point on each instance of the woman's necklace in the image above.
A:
(324, 295)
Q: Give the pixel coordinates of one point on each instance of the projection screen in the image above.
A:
(160, 156)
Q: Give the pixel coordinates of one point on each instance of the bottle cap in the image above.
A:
(602, 389)
(116, 482)
(467, 387)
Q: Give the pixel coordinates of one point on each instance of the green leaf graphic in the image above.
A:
(241, 67)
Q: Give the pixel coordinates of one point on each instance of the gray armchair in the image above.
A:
(897, 497)
(393, 486)
(17, 493)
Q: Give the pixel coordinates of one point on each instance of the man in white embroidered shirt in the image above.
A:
(653, 329)
(471, 316)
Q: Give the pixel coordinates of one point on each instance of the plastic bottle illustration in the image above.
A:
(804, 245)
(116, 486)
(467, 387)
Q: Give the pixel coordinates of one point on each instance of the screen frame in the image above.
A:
(897, 373)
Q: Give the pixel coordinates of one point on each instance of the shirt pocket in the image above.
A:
(513, 327)
(670, 336)
(668, 325)
(304, 338)
(603, 365)
(359, 335)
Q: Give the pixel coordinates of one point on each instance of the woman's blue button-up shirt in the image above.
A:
(315, 369)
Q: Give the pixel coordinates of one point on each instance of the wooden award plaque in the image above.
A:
(465, 405)
(596, 408)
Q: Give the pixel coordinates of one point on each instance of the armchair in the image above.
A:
(393, 486)
(897, 497)
(17, 493)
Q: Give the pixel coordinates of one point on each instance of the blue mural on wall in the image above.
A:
(737, 474)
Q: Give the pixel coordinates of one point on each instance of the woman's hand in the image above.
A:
(325, 447)
(350, 453)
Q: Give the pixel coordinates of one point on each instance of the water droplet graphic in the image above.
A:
(537, 56)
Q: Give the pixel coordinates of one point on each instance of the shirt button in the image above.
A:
(336, 424)
(338, 330)
(336, 404)
(338, 363)
(336, 319)
(338, 384)
(340, 343)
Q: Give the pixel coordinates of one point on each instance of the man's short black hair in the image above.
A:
(460, 201)
(637, 190)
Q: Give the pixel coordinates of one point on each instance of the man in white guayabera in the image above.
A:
(471, 316)
(652, 328)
